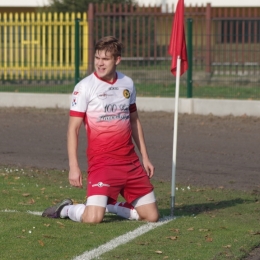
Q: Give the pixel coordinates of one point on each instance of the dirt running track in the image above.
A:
(211, 151)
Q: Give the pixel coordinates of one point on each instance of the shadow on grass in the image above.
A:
(187, 210)
(109, 217)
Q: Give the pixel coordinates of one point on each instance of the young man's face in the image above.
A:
(105, 65)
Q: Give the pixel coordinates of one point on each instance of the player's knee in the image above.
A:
(93, 214)
(148, 212)
(146, 207)
(91, 220)
(154, 217)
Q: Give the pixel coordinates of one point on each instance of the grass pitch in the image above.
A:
(209, 224)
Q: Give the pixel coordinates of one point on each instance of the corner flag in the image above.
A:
(177, 49)
(177, 46)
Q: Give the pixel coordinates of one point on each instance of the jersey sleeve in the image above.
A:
(132, 108)
(133, 96)
(79, 101)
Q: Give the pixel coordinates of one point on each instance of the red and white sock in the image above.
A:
(123, 209)
(74, 212)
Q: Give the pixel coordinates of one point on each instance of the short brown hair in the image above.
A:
(111, 44)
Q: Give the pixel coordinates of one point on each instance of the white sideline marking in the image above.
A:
(37, 213)
(122, 240)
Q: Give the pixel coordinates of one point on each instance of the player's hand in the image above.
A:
(149, 168)
(75, 177)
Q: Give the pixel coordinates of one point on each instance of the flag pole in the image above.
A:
(175, 128)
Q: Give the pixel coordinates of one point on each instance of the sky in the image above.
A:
(220, 3)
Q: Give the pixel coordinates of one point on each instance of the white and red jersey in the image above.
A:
(106, 107)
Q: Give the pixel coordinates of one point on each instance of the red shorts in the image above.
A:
(111, 177)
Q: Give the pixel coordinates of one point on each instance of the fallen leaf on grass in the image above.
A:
(223, 227)
(21, 237)
(158, 252)
(47, 225)
(172, 237)
(40, 242)
(61, 224)
(255, 233)
(203, 230)
(143, 243)
(29, 202)
(48, 236)
(208, 239)
(227, 246)
(26, 194)
(175, 230)
(190, 229)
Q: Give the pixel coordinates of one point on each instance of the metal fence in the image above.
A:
(225, 46)
(40, 46)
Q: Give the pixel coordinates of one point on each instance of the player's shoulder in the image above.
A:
(85, 83)
(122, 77)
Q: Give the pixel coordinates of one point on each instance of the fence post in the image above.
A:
(189, 52)
(90, 38)
(208, 39)
(77, 77)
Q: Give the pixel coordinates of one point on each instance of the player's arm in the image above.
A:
(75, 175)
(138, 136)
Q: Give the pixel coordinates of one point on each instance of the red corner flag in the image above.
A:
(177, 45)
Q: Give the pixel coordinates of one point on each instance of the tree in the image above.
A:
(80, 5)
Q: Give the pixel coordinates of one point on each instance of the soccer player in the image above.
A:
(105, 102)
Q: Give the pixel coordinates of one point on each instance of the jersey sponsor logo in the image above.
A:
(100, 184)
(75, 93)
(103, 95)
(113, 88)
(126, 93)
(74, 101)
(120, 116)
(110, 108)
(124, 107)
